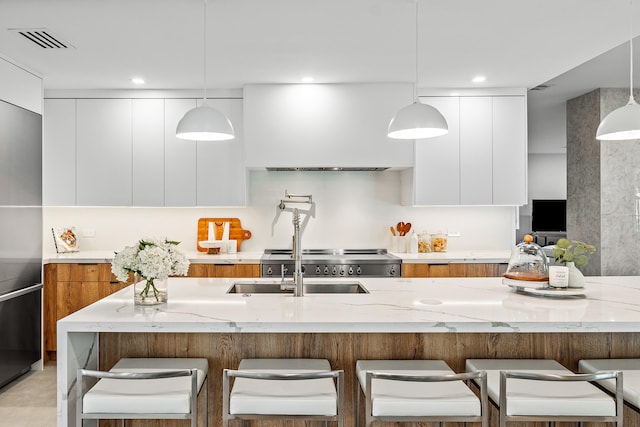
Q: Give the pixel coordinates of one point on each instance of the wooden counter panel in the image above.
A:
(344, 349)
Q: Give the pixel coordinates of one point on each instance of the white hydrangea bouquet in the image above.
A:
(154, 260)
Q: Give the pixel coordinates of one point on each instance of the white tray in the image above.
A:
(551, 292)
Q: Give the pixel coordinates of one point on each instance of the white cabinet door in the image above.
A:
(509, 150)
(476, 156)
(104, 152)
(148, 152)
(437, 160)
(179, 157)
(324, 125)
(20, 87)
(59, 153)
(221, 179)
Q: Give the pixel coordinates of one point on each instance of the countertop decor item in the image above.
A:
(65, 239)
(528, 266)
(573, 254)
(572, 251)
(417, 120)
(235, 233)
(152, 261)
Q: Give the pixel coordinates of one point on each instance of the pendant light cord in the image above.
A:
(204, 53)
(415, 86)
(631, 98)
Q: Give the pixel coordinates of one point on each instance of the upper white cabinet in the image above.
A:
(147, 137)
(179, 157)
(510, 150)
(324, 125)
(437, 168)
(481, 161)
(104, 158)
(59, 153)
(222, 177)
(20, 87)
(124, 152)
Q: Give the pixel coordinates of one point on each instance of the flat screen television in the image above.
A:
(549, 215)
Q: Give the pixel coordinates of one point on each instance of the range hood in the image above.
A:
(327, 169)
(324, 127)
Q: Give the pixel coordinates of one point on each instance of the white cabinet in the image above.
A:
(179, 157)
(20, 87)
(147, 134)
(324, 125)
(481, 161)
(436, 173)
(124, 152)
(221, 175)
(59, 153)
(476, 162)
(510, 150)
(104, 160)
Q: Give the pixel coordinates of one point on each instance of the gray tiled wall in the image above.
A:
(603, 186)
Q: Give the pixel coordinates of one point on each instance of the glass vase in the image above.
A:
(576, 278)
(149, 291)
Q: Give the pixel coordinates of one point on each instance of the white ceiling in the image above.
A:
(514, 43)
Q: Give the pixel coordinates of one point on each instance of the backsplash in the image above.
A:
(351, 210)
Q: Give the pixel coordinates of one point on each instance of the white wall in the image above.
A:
(352, 210)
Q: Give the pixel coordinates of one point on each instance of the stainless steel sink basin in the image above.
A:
(259, 287)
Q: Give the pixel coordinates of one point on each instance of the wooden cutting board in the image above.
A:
(235, 231)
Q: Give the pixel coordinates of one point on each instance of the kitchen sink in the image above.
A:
(273, 287)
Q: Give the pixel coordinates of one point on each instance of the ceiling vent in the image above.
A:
(540, 87)
(42, 38)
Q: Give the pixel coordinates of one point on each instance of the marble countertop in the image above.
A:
(470, 256)
(612, 304)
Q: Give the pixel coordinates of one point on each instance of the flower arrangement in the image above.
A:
(151, 259)
(572, 251)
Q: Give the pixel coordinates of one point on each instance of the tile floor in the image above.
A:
(30, 401)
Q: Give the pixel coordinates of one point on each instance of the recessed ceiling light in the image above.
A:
(137, 80)
(307, 79)
(479, 79)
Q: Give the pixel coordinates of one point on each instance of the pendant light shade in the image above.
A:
(623, 123)
(205, 123)
(418, 120)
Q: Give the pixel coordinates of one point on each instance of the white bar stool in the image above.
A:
(283, 389)
(630, 370)
(544, 390)
(419, 390)
(143, 388)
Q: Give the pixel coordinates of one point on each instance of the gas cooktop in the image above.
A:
(332, 263)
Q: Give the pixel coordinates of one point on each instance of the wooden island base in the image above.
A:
(343, 349)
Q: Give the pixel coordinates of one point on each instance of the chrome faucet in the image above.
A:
(297, 283)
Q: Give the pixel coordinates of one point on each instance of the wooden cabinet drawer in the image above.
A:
(84, 273)
(454, 270)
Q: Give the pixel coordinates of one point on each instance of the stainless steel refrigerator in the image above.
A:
(20, 240)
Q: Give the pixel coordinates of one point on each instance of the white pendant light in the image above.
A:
(205, 123)
(418, 120)
(623, 123)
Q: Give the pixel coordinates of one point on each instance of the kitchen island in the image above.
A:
(432, 318)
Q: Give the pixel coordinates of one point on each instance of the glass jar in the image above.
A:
(424, 243)
(439, 242)
(528, 263)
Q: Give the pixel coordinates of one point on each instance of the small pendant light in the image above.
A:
(205, 123)
(418, 120)
(624, 122)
